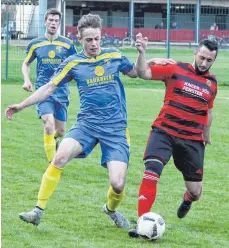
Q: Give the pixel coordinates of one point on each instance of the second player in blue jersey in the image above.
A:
(50, 51)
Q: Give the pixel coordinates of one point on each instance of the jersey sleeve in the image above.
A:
(126, 66)
(162, 72)
(30, 53)
(211, 102)
(72, 50)
(63, 73)
(214, 88)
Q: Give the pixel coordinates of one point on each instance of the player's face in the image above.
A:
(52, 24)
(90, 40)
(204, 58)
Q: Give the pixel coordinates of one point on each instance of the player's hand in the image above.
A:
(27, 86)
(207, 139)
(11, 110)
(161, 61)
(141, 43)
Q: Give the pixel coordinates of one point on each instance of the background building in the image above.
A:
(189, 22)
(148, 14)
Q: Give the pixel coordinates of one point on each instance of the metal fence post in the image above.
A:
(7, 45)
(197, 20)
(131, 20)
(63, 20)
(168, 29)
(42, 10)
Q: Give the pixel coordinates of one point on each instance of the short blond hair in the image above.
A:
(89, 21)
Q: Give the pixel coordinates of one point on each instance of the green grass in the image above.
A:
(74, 217)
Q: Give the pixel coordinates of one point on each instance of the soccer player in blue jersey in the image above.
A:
(102, 118)
(50, 51)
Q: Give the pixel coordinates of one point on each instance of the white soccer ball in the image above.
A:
(151, 226)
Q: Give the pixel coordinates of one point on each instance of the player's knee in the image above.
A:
(118, 186)
(154, 165)
(49, 126)
(60, 158)
(60, 132)
(195, 194)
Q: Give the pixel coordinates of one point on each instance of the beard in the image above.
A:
(198, 72)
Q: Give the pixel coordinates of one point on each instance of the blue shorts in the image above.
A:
(50, 106)
(114, 146)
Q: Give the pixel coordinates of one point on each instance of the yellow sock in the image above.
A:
(113, 199)
(50, 146)
(49, 183)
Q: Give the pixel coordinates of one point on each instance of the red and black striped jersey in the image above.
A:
(187, 99)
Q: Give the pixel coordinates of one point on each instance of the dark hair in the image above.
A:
(210, 44)
(52, 11)
(89, 20)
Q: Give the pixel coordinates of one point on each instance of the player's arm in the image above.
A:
(142, 67)
(38, 96)
(156, 68)
(154, 61)
(31, 55)
(206, 133)
(160, 61)
(26, 72)
(132, 73)
(127, 68)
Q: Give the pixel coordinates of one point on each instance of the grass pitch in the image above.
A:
(74, 218)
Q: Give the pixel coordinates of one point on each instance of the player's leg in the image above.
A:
(45, 111)
(117, 177)
(59, 131)
(157, 153)
(191, 166)
(115, 156)
(76, 143)
(69, 148)
(193, 193)
(61, 117)
(49, 136)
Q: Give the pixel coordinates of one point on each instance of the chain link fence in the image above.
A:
(22, 23)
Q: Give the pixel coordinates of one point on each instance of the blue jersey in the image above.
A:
(49, 56)
(102, 96)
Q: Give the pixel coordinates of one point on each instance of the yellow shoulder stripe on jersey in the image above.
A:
(112, 55)
(33, 47)
(64, 71)
(71, 64)
(44, 43)
(61, 43)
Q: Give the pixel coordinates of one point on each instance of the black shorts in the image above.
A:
(188, 155)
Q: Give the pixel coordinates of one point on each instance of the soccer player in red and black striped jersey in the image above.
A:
(182, 128)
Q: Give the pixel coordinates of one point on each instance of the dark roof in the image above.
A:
(17, 2)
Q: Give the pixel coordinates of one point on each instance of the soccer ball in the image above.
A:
(151, 226)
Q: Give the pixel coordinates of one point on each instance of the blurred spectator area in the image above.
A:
(182, 35)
